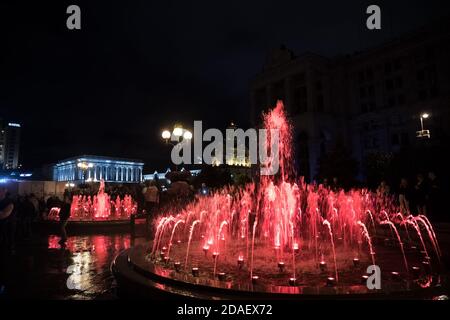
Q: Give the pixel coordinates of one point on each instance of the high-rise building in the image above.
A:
(9, 145)
(371, 101)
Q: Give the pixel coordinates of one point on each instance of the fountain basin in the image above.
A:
(140, 277)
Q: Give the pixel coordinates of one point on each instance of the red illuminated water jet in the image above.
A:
(281, 224)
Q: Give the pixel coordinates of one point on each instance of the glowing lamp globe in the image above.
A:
(177, 131)
(187, 135)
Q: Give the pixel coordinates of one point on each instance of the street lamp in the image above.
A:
(84, 166)
(177, 130)
(178, 133)
(166, 135)
(423, 133)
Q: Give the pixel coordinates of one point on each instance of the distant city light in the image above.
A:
(12, 124)
(24, 175)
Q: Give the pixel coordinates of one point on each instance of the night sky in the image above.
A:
(136, 67)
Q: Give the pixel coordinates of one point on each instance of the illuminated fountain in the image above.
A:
(100, 207)
(281, 236)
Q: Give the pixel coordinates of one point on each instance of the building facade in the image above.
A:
(370, 101)
(9, 145)
(95, 168)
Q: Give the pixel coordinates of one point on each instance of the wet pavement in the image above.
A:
(43, 269)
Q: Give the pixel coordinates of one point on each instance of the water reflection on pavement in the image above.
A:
(43, 269)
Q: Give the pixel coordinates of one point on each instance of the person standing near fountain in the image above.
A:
(64, 215)
(151, 195)
(404, 196)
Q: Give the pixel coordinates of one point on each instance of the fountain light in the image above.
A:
(292, 282)
(162, 254)
(416, 272)
(255, 279)
(323, 266)
(195, 272)
(179, 242)
(166, 259)
(364, 279)
(331, 282)
(215, 255)
(296, 248)
(177, 266)
(426, 266)
(205, 249)
(222, 276)
(281, 266)
(240, 262)
(395, 276)
(356, 262)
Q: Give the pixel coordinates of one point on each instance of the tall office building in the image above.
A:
(9, 145)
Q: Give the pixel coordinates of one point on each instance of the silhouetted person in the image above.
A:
(64, 215)
(420, 195)
(151, 196)
(26, 215)
(325, 183)
(335, 185)
(6, 233)
(404, 196)
(383, 189)
(434, 196)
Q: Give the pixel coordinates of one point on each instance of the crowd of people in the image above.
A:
(421, 195)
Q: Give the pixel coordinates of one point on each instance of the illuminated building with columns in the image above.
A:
(95, 168)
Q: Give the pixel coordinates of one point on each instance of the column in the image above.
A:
(117, 173)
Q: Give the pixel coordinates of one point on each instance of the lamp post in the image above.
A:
(83, 166)
(177, 135)
(423, 133)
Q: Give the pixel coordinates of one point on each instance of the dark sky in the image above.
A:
(136, 67)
